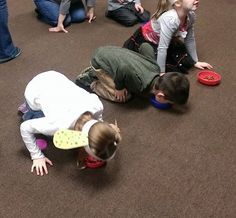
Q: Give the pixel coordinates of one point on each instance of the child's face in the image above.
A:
(190, 5)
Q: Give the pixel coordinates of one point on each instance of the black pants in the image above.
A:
(128, 16)
(177, 58)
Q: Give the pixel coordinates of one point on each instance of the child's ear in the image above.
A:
(177, 3)
(160, 96)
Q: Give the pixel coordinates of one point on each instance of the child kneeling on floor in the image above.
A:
(127, 12)
(64, 105)
(118, 73)
(169, 36)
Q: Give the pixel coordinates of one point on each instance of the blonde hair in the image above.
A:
(103, 140)
(162, 6)
(82, 120)
(102, 137)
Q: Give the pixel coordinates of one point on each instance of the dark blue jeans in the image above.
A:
(128, 16)
(7, 48)
(31, 114)
(49, 12)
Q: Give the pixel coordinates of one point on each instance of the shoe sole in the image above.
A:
(11, 58)
(84, 72)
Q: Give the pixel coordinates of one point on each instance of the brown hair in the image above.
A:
(162, 6)
(103, 140)
(175, 87)
(82, 120)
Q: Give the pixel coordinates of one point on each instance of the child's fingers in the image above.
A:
(37, 170)
(92, 19)
(48, 161)
(32, 168)
(44, 168)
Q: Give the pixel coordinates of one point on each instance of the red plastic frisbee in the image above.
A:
(94, 163)
(209, 78)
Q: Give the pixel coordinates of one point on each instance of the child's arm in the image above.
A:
(191, 44)
(91, 10)
(28, 130)
(168, 27)
(191, 48)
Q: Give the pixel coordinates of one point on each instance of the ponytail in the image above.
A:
(162, 6)
(82, 120)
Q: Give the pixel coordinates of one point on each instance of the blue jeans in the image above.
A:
(7, 48)
(31, 114)
(128, 16)
(49, 12)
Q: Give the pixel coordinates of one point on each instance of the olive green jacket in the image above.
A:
(128, 69)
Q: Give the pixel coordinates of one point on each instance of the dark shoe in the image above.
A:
(81, 85)
(15, 55)
(39, 15)
(36, 11)
(86, 77)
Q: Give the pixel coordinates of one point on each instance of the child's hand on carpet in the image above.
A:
(40, 166)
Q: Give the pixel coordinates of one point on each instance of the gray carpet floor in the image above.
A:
(176, 163)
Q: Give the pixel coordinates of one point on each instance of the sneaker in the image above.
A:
(15, 55)
(39, 15)
(86, 77)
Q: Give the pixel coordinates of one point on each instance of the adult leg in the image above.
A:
(123, 16)
(7, 49)
(77, 12)
(48, 11)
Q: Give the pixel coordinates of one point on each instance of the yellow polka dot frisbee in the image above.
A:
(69, 139)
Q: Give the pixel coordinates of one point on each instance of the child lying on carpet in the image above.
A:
(118, 73)
(64, 105)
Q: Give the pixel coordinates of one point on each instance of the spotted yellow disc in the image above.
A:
(68, 139)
